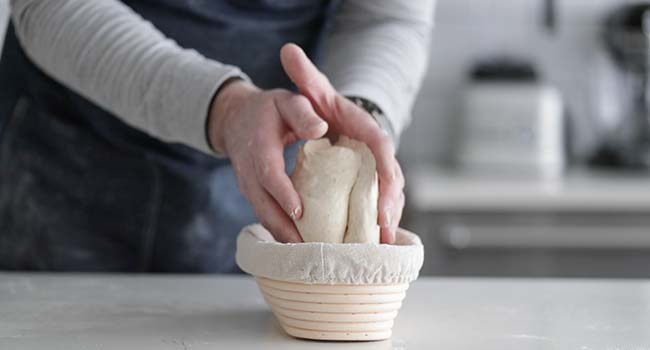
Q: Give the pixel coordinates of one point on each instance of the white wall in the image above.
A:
(470, 29)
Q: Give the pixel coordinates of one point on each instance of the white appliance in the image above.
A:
(511, 126)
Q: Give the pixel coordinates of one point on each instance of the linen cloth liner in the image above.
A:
(260, 255)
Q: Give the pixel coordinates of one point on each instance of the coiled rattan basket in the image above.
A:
(322, 291)
(334, 312)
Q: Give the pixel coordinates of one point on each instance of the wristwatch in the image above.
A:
(375, 112)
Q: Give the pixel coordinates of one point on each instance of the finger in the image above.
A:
(243, 171)
(269, 169)
(391, 202)
(353, 121)
(388, 200)
(398, 177)
(298, 113)
(309, 80)
(397, 214)
(273, 218)
(388, 234)
(266, 208)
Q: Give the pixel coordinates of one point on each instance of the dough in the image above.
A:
(362, 213)
(339, 191)
(323, 178)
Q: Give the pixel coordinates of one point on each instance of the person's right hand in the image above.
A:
(252, 127)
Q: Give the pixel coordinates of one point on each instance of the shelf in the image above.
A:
(439, 189)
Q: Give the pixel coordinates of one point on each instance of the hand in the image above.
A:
(346, 118)
(252, 127)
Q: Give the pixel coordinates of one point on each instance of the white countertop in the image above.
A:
(439, 189)
(217, 312)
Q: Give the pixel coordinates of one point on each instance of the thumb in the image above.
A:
(309, 80)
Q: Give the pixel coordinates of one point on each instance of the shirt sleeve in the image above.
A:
(378, 50)
(107, 53)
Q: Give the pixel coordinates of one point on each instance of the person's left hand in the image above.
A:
(346, 118)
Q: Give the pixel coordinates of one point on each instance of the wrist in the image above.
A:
(226, 102)
(376, 113)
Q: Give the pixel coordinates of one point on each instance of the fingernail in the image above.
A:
(319, 125)
(296, 213)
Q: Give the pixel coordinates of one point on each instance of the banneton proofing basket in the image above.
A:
(325, 291)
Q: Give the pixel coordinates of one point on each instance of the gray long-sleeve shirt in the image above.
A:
(109, 54)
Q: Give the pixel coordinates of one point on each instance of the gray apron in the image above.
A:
(80, 190)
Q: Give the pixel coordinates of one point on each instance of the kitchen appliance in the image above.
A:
(510, 122)
(627, 38)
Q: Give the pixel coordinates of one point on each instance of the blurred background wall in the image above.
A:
(571, 57)
(468, 30)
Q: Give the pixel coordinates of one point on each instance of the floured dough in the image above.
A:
(339, 190)
(323, 178)
(362, 213)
